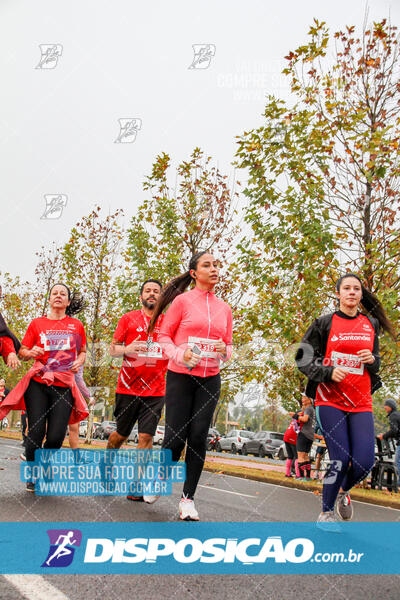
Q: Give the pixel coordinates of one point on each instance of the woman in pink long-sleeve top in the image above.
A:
(196, 335)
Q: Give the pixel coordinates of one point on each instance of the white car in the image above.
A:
(83, 428)
(158, 437)
(233, 440)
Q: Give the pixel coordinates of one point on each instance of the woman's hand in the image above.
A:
(338, 374)
(366, 356)
(12, 361)
(190, 359)
(220, 347)
(35, 352)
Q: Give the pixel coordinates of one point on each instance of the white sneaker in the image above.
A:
(150, 499)
(22, 456)
(327, 522)
(187, 510)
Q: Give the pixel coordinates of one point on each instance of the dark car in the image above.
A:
(264, 443)
(104, 430)
(212, 438)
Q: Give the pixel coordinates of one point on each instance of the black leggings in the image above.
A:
(190, 403)
(291, 451)
(46, 406)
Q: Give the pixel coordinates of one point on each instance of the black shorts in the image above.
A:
(303, 444)
(146, 410)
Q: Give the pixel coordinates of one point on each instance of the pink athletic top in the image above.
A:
(198, 318)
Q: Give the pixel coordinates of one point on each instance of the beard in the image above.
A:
(149, 304)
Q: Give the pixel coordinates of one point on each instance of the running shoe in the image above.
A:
(187, 510)
(150, 499)
(30, 486)
(344, 506)
(327, 522)
(22, 456)
(135, 498)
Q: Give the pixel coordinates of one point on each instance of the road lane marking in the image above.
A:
(284, 487)
(34, 587)
(226, 491)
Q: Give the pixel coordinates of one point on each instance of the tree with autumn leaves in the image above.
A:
(324, 187)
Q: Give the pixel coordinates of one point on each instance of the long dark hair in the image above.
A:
(175, 287)
(371, 305)
(77, 303)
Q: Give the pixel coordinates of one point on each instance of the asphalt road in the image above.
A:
(219, 498)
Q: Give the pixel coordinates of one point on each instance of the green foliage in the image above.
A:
(322, 188)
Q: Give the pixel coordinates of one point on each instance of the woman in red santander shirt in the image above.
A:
(49, 391)
(196, 334)
(339, 354)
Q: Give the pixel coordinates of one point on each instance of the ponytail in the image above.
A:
(76, 305)
(175, 287)
(372, 306)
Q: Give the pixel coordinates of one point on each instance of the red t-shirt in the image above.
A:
(346, 337)
(290, 435)
(62, 339)
(144, 374)
(6, 347)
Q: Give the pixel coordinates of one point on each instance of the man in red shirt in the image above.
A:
(141, 382)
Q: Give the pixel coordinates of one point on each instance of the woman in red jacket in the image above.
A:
(196, 335)
(49, 391)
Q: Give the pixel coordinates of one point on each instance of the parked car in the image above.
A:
(233, 440)
(104, 429)
(263, 443)
(134, 434)
(280, 452)
(212, 438)
(83, 428)
(158, 437)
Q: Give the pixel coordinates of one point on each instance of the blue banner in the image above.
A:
(195, 548)
(67, 472)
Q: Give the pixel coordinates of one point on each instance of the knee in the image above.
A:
(54, 442)
(362, 465)
(115, 441)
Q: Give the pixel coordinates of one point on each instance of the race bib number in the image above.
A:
(153, 351)
(206, 346)
(55, 340)
(351, 362)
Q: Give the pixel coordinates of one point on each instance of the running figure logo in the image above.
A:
(203, 54)
(55, 204)
(128, 129)
(50, 54)
(62, 550)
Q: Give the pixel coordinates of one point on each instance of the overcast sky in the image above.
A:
(120, 59)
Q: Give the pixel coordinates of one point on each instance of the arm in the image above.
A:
(394, 428)
(169, 327)
(118, 347)
(81, 351)
(224, 346)
(373, 368)
(8, 352)
(80, 382)
(309, 357)
(28, 349)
